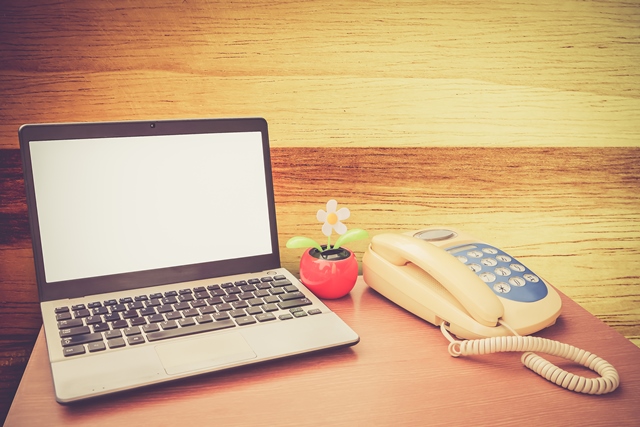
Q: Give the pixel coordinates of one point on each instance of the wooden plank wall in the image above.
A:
(397, 88)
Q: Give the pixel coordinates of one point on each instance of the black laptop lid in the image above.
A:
(117, 206)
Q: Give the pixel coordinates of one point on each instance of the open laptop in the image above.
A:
(156, 253)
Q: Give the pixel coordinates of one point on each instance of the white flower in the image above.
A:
(332, 218)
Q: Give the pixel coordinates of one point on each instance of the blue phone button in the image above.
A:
(503, 274)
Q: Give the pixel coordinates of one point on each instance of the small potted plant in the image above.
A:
(329, 271)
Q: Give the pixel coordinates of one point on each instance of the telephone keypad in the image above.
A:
(504, 275)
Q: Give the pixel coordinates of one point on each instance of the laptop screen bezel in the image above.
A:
(140, 279)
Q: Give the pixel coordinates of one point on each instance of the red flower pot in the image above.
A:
(329, 274)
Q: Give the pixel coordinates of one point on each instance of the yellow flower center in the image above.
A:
(332, 218)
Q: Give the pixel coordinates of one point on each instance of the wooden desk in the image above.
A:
(559, 76)
(399, 374)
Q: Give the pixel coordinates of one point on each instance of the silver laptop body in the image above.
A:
(156, 253)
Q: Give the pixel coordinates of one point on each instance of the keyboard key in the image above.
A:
(245, 320)
(138, 321)
(181, 306)
(208, 310)
(148, 311)
(136, 339)
(155, 318)
(81, 330)
(63, 316)
(118, 324)
(169, 324)
(92, 320)
(187, 322)
(73, 350)
(129, 314)
(59, 310)
(117, 308)
(116, 343)
(81, 339)
(270, 307)
(292, 295)
(94, 304)
(96, 346)
(111, 317)
(78, 307)
(71, 323)
(167, 308)
(151, 327)
(179, 332)
(169, 300)
(237, 313)
(265, 317)
(204, 319)
(254, 310)
(81, 313)
(294, 303)
(285, 316)
(220, 316)
(192, 312)
(314, 311)
(134, 330)
(113, 334)
(280, 283)
(100, 327)
(173, 315)
(135, 305)
(99, 311)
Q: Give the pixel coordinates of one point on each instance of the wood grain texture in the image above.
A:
(571, 214)
(399, 374)
(366, 73)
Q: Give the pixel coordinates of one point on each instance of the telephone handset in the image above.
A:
(479, 293)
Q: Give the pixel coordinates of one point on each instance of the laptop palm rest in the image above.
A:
(203, 353)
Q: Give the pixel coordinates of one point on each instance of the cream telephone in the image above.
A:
(478, 292)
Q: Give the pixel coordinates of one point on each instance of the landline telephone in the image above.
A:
(480, 293)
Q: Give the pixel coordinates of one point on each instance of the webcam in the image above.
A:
(152, 125)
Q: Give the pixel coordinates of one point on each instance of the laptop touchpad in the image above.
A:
(204, 353)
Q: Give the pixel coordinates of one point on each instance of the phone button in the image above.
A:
(532, 278)
(475, 268)
(435, 235)
(489, 262)
(503, 271)
(501, 287)
(517, 267)
(487, 277)
(475, 254)
(517, 281)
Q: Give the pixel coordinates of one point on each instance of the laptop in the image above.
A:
(156, 253)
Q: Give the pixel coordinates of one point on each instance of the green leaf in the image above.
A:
(303, 242)
(350, 236)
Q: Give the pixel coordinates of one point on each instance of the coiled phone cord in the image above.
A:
(606, 383)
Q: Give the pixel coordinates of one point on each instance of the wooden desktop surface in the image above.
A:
(399, 374)
(517, 121)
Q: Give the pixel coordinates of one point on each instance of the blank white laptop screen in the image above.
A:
(120, 205)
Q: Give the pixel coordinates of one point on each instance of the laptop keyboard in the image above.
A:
(102, 325)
